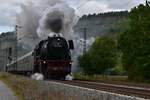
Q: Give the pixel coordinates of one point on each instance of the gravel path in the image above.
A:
(6, 93)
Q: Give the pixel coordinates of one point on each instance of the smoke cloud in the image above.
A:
(54, 24)
(61, 17)
(40, 18)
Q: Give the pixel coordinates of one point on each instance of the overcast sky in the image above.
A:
(9, 8)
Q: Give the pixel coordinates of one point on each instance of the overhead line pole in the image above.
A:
(16, 56)
(84, 30)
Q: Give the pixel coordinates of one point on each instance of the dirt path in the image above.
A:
(6, 93)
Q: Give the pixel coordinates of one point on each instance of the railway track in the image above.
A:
(141, 92)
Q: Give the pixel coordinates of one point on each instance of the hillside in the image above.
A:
(100, 24)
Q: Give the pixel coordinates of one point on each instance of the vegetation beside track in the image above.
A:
(25, 88)
(21, 86)
(80, 76)
(120, 80)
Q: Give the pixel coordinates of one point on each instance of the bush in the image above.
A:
(100, 58)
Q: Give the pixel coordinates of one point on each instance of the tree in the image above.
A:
(85, 64)
(135, 44)
(100, 57)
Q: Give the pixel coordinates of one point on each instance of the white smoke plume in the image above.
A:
(37, 76)
(59, 11)
(34, 16)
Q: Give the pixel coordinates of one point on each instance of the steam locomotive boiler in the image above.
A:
(52, 57)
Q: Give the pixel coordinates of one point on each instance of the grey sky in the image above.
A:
(9, 8)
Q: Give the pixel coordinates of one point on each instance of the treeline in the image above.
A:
(101, 24)
(130, 50)
(107, 14)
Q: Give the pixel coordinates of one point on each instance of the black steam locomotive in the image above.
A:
(52, 57)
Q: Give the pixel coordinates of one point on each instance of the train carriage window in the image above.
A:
(10, 51)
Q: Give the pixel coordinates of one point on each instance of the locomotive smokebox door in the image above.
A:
(71, 45)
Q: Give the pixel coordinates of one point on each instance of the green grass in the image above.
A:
(109, 79)
(80, 76)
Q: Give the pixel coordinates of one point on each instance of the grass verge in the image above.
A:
(24, 88)
(120, 80)
(80, 76)
(28, 89)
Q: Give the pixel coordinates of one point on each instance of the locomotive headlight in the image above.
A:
(55, 69)
(44, 62)
(70, 62)
(58, 39)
